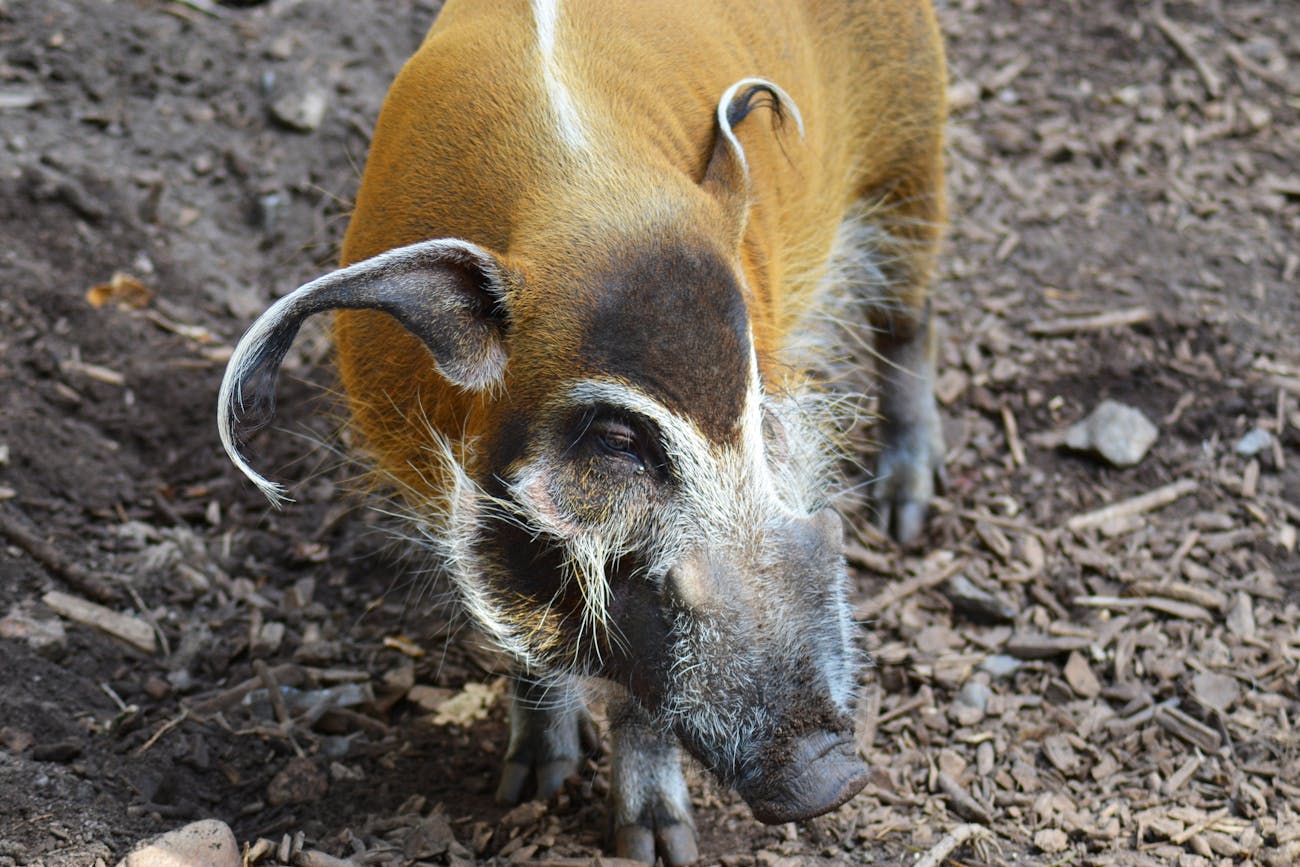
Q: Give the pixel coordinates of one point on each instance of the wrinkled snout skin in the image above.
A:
(748, 656)
(612, 291)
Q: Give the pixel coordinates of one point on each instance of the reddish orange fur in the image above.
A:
(868, 77)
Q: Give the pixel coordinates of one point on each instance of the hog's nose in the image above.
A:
(823, 771)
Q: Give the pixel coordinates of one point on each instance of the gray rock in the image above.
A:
(1214, 690)
(1000, 665)
(976, 603)
(208, 843)
(300, 106)
(974, 694)
(1121, 434)
(46, 637)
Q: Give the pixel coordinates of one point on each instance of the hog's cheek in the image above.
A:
(601, 493)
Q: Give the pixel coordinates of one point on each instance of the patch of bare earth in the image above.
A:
(1083, 665)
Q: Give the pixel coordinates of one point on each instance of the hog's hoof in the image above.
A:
(824, 771)
(548, 749)
(548, 778)
(909, 473)
(674, 842)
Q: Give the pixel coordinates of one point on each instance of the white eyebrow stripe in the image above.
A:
(727, 486)
(683, 438)
(568, 117)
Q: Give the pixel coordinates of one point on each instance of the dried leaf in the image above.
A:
(122, 289)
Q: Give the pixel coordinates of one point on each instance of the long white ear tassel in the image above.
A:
(785, 105)
(230, 399)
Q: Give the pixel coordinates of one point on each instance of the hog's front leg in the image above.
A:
(650, 806)
(550, 732)
(912, 450)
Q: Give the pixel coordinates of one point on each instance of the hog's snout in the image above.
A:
(822, 772)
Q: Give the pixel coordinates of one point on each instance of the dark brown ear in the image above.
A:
(726, 177)
(449, 293)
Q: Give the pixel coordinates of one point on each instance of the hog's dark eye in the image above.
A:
(618, 438)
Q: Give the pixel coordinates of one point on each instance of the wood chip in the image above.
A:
(1179, 778)
(1012, 430)
(961, 802)
(938, 854)
(1147, 502)
(132, 630)
(1078, 674)
(1044, 646)
(19, 532)
(1182, 726)
(1206, 597)
(995, 539)
(1187, 47)
(1250, 480)
(1183, 610)
(288, 674)
(1061, 754)
(895, 593)
(1096, 322)
(872, 561)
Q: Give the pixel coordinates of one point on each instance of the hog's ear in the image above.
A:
(449, 293)
(726, 177)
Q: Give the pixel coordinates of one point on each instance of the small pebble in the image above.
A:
(15, 740)
(430, 838)
(1080, 676)
(1119, 433)
(1214, 690)
(1051, 840)
(1255, 441)
(298, 782)
(59, 751)
(1000, 665)
(976, 603)
(157, 688)
(975, 695)
(301, 107)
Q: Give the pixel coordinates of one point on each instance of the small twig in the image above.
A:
(961, 801)
(73, 574)
(1013, 437)
(273, 693)
(1187, 48)
(1203, 825)
(900, 591)
(864, 558)
(1184, 548)
(204, 6)
(1014, 524)
(162, 730)
(278, 705)
(1184, 401)
(147, 616)
(288, 674)
(132, 630)
(869, 718)
(1147, 502)
(1180, 725)
(905, 708)
(1261, 72)
(951, 842)
(1173, 607)
(1096, 322)
(122, 706)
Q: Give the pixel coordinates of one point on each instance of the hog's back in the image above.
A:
(466, 147)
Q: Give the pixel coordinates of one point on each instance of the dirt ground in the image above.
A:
(1118, 688)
